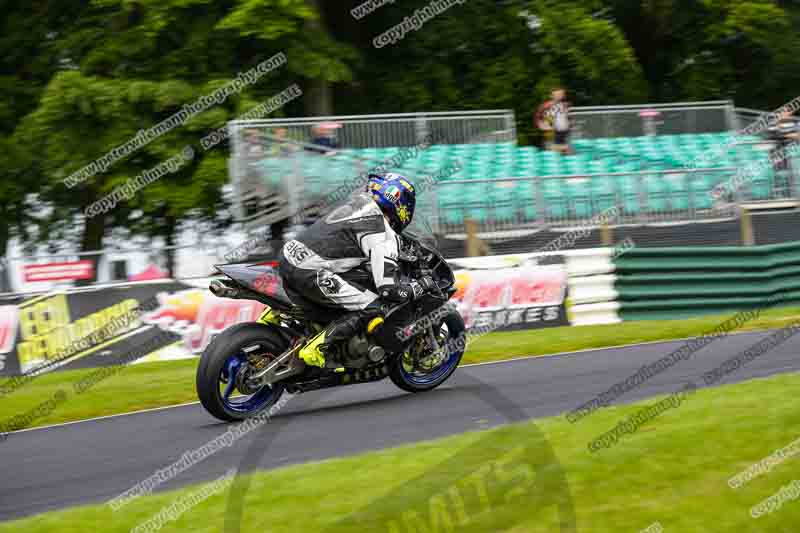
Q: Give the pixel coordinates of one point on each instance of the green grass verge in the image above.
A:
(170, 383)
(674, 471)
(508, 344)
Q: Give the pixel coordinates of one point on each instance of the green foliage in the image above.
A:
(136, 63)
(479, 55)
(80, 77)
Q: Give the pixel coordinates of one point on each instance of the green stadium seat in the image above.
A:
(603, 193)
(761, 183)
(628, 194)
(656, 192)
(501, 199)
(525, 200)
(450, 203)
(677, 190)
(600, 165)
(580, 198)
(582, 145)
(478, 213)
(555, 199)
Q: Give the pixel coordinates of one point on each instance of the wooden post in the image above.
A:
(606, 235)
(746, 227)
(475, 246)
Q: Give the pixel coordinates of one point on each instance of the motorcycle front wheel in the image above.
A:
(413, 371)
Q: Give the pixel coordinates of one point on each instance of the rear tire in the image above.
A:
(218, 354)
(455, 338)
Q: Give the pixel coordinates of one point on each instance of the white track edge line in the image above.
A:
(60, 424)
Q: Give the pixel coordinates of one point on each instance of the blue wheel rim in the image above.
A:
(427, 379)
(244, 403)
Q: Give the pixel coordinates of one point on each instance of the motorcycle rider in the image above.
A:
(320, 268)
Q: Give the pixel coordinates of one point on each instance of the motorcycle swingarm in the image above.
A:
(339, 379)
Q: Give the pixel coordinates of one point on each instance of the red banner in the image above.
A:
(68, 271)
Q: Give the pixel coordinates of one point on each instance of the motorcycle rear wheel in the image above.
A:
(220, 364)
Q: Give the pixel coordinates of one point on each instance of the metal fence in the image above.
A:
(651, 189)
(652, 119)
(378, 131)
(512, 207)
(744, 116)
(278, 178)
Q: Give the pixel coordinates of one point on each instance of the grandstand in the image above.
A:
(660, 182)
(506, 188)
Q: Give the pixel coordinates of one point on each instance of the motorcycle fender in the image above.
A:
(279, 330)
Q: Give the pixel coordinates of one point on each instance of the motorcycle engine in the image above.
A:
(360, 352)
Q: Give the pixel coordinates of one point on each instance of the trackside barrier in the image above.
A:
(591, 287)
(502, 292)
(596, 313)
(659, 283)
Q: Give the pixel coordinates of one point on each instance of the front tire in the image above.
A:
(223, 359)
(453, 329)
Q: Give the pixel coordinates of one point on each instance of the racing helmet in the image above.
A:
(395, 195)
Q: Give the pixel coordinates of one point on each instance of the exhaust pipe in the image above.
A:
(218, 288)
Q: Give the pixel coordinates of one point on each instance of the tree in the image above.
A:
(129, 66)
(713, 49)
(28, 32)
(485, 54)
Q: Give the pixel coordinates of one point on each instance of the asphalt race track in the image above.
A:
(96, 460)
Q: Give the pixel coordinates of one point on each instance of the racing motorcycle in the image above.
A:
(246, 368)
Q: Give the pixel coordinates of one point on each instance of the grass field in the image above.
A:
(170, 383)
(673, 471)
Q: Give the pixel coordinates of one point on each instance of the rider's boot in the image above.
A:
(317, 351)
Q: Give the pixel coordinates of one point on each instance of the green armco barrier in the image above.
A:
(680, 282)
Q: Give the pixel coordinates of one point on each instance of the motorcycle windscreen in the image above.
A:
(421, 231)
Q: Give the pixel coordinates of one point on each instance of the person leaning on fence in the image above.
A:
(323, 138)
(786, 134)
(279, 146)
(254, 154)
(254, 145)
(552, 118)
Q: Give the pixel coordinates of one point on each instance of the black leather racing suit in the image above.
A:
(346, 264)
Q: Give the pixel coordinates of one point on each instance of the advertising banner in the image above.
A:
(175, 320)
(67, 271)
(519, 295)
(103, 327)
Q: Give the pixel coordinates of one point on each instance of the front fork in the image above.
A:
(434, 341)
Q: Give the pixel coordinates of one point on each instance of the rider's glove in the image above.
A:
(427, 284)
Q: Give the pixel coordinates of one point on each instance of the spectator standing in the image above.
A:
(254, 145)
(324, 138)
(784, 132)
(254, 154)
(787, 129)
(552, 118)
(280, 147)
